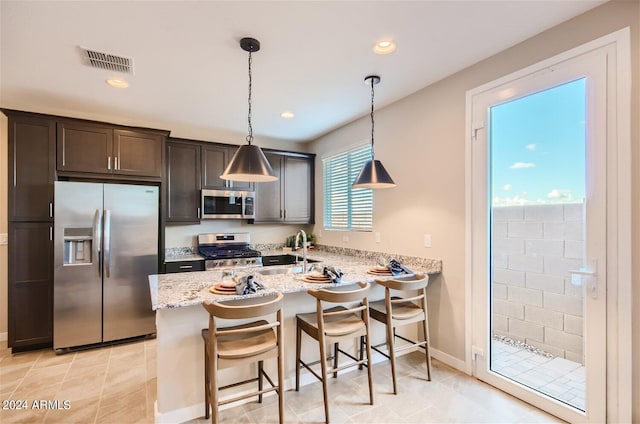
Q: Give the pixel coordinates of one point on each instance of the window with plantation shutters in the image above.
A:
(347, 208)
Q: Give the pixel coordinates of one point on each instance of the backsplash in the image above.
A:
(179, 251)
(409, 261)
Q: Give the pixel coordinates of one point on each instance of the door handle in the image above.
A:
(579, 275)
(97, 239)
(107, 243)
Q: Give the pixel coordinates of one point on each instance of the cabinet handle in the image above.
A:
(50, 209)
(109, 162)
(115, 163)
(50, 233)
(280, 213)
(198, 213)
(186, 266)
(285, 214)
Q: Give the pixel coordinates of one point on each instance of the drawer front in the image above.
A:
(183, 266)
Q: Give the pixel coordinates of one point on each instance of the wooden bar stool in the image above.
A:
(240, 345)
(396, 311)
(332, 326)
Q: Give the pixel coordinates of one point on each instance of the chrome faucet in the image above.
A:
(304, 249)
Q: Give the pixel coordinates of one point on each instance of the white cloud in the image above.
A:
(559, 194)
(522, 165)
(507, 187)
(530, 147)
(518, 199)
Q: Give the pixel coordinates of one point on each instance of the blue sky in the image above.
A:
(537, 147)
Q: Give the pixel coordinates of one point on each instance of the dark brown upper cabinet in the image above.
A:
(268, 203)
(137, 153)
(101, 149)
(298, 190)
(183, 182)
(32, 167)
(215, 158)
(290, 199)
(214, 161)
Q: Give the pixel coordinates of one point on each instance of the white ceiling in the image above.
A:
(190, 70)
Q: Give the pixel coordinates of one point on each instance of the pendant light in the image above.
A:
(373, 174)
(249, 163)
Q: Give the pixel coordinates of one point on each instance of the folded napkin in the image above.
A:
(397, 268)
(333, 273)
(248, 285)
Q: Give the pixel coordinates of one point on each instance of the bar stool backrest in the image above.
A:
(229, 310)
(415, 282)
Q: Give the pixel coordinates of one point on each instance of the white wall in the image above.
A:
(420, 139)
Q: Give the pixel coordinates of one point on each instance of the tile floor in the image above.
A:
(117, 385)
(556, 377)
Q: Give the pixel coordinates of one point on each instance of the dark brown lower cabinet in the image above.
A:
(30, 285)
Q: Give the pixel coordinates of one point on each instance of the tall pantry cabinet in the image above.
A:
(32, 172)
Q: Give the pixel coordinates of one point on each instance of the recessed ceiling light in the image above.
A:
(384, 46)
(287, 115)
(117, 83)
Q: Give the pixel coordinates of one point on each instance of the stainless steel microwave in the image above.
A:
(226, 204)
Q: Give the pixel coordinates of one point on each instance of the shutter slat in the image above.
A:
(344, 207)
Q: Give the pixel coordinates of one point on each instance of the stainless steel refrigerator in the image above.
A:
(106, 245)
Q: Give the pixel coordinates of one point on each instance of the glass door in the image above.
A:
(540, 238)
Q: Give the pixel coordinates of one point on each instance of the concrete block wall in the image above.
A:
(534, 302)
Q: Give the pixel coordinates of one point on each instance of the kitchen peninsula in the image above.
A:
(177, 299)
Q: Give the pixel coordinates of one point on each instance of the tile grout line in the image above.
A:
(61, 383)
(104, 380)
(33, 364)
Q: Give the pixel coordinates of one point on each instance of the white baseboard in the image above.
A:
(452, 361)
(3, 337)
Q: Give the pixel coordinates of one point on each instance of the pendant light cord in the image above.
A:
(249, 137)
(372, 121)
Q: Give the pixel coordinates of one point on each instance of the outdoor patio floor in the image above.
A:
(557, 377)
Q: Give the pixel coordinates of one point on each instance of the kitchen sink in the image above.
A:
(271, 260)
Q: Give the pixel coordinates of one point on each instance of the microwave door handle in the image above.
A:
(107, 243)
(97, 239)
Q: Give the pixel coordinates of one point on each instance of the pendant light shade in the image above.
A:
(373, 174)
(249, 164)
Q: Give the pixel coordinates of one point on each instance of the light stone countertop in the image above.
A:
(192, 288)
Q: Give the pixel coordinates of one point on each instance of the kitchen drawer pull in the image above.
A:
(186, 266)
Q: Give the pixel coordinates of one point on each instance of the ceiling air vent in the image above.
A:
(107, 61)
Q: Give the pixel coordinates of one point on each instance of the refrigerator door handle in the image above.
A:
(107, 243)
(97, 239)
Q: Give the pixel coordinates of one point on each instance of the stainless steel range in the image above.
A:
(227, 250)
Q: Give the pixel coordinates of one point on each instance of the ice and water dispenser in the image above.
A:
(78, 246)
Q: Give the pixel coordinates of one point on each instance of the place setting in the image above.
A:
(384, 268)
(322, 275)
(381, 268)
(228, 284)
